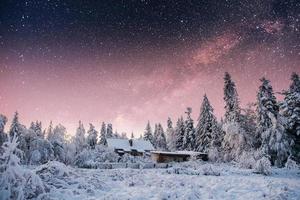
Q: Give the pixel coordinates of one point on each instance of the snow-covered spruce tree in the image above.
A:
(38, 129)
(102, 139)
(79, 140)
(15, 128)
(208, 131)
(161, 142)
(49, 132)
(57, 139)
(109, 131)
(274, 141)
(189, 131)
(248, 123)
(92, 136)
(290, 110)
(179, 133)
(170, 136)
(148, 136)
(20, 131)
(16, 182)
(40, 150)
(234, 142)
(155, 135)
(232, 108)
(3, 135)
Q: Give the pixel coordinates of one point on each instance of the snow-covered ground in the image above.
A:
(182, 181)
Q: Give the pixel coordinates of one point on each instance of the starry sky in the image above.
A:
(130, 61)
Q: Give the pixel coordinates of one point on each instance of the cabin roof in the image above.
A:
(139, 145)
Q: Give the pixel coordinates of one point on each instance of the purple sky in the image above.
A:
(145, 61)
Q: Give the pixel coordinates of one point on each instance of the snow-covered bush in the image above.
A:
(263, 166)
(17, 182)
(89, 158)
(208, 170)
(291, 164)
(53, 168)
(247, 160)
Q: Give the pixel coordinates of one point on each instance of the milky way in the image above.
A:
(127, 62)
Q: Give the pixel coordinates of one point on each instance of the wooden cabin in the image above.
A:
(135, 147)
(178, 156)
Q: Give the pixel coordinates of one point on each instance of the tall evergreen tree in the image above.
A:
(290, 109)
(103, 134)
(57, 139)
(171, 137)
(208, 131)
(189, 132)
(232, 109)
(15, 128)
(155, 135)
(161, 142)
(3, 135)
(148, 136)
(179, 133)
(49, 132)
(274, 138)
(80, 141)
(92, 136)
(267, 108)
(109, 131)
(38, 129)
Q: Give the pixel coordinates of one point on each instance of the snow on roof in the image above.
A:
(139, 145)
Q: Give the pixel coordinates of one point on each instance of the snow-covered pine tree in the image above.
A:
(171, 137)
(109, 131)
(15, 128)
(155, 135)
(232, 109)
(267, 108)
(161, 142)
(189, 131)
(274, 138)
(3, 135)
(179, 133)
(80, 141)
(40, 150)
(234, 142)
(103, 134)
(38, 129)
(57, 139)
(290, 110)
(92, 136)
(19, 131)
(148, 136)
(49, 132)
(17, 182)
(248, 124)
(208, 131)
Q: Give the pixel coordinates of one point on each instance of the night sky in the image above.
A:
(127, 62)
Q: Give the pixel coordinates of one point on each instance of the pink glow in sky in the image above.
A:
(130, 92)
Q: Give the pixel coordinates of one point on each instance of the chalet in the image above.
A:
(177, 156)
(135, 147)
